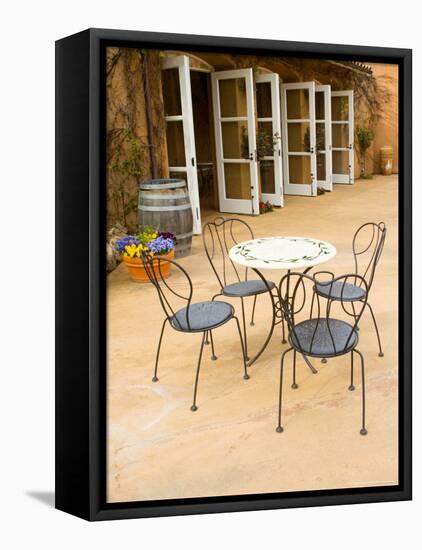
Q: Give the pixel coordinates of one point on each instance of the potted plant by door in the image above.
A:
(154, 243)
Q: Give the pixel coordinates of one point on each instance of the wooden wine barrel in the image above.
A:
(165, 205)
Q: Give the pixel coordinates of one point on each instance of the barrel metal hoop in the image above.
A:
(173, 185)
(184, 235)
(164, 208)
(165, 196)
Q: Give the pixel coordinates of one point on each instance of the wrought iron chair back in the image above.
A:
(218, 237)
(368, 243)
(171, 300)
(300, 302)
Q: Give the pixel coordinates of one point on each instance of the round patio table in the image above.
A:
(287, 253)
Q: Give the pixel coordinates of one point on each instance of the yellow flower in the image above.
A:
(130, 250)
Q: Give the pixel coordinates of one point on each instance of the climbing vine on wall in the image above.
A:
(126, 165)
(130, 148)
(127, 148)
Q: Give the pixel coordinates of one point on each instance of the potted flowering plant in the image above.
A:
(148, 241)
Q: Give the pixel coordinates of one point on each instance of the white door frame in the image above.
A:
(326, 184)
(276, 198)
(295, 188)
(181, 62)
(346, 178)
(239, 206)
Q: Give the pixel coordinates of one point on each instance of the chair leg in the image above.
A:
(329, 302)
(154, 378)
(279, 428)
(213, 356)
(283, 341)
(245, 339)
(354, 314)
(351, 387)
(381, 353)
(363, 430)
(294, 385)
(207, 341)
(253, 311)
(194, 407)
(245, 370)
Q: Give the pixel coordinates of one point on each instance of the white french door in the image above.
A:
(236, 155)
(323, 136)
(299, 149)
(269, 126)
(342, 121)
(177, 97)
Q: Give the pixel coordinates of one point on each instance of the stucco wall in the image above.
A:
(386, 129)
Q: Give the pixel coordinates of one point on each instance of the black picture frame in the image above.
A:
(80, 275)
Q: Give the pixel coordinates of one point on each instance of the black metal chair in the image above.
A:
(320, 336)
(193, 317)
(367, 246)
(218, 237)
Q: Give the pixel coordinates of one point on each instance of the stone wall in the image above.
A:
(132, 126)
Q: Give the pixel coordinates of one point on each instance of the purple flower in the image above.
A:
(168, 235)
(125, 241)
(161, 245)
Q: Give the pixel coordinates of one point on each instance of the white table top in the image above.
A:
(282, 253)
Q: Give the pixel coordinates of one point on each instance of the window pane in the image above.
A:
(237, 180)
(298, 136)
(263, 99)
(319, 106)
(178, 175)
(340, 108)
(171, 92)
(297, 104)
(175, 143)
(300, 169)
(340, 162)
(266, 170)
(235, 140)
(340, 135)
(233, 97)
(265, 140)
(320, 136)
(321, 167)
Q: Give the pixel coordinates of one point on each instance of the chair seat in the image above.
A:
(202, 316)
(330, 338)
(247, 288)
(340, 290)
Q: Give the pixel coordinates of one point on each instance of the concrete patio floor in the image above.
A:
(159, 449)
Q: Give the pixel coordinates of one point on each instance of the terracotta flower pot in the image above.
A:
(137, 271)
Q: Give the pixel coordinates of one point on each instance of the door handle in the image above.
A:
(254, 156)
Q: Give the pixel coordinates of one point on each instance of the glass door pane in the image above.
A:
(342, 124)
(299, 138)
(269, 138)
(175, 144)
(232, 94)
(177, 98)
(323, 136)
(234, 120)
